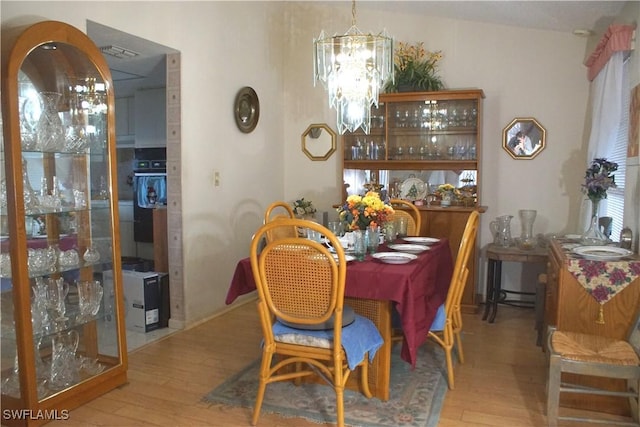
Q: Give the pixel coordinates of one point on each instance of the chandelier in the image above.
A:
(353, 68)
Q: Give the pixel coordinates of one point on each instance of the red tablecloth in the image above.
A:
(417, 289)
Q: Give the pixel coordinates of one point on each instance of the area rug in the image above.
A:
(416, 396)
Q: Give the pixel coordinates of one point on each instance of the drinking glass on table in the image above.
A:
(359, 245)
(336, 228)
(373, 233)
(390, 231)
(401, 226)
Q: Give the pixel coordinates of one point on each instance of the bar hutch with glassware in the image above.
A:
(63, 336)
(418, 141)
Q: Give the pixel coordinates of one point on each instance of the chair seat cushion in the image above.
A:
(439, 321)
(348, 316)
(359, 338)
(593, 348)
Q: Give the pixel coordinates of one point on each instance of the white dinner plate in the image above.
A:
(394, 257)
(572, 236)
(421, 240)
(602, 253)
(412, 249)
(346, 251)
(347, 258)
(570, 246)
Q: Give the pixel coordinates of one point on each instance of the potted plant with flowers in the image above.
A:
(598, 178)
(447, 193)
(415, 69)
(304, 208)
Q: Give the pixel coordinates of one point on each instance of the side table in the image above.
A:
(495, 294)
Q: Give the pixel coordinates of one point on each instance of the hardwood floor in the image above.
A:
(502, 382)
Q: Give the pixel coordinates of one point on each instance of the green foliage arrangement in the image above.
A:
(415, 69)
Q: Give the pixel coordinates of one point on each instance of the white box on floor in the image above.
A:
(141, 298)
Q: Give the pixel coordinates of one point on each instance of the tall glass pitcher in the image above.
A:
(501, 230)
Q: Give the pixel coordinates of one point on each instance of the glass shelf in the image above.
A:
(435, 136)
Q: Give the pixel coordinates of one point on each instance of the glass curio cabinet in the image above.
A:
(61, 316)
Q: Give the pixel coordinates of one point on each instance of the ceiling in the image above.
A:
(563, 16)
(148, 63)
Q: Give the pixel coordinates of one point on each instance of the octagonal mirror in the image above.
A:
(319, 142)
(523, 138)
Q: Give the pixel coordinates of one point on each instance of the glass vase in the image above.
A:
(527, 240)
(593, 236)
(49, 130)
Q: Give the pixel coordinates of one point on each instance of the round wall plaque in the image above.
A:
(246, 109)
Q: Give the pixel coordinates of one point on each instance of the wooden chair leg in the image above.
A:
(448, 356)
(364, 378)
(298, 367)
(265, 365)
(339, 405)
(459, 347)
(553, 391)
(634, 402)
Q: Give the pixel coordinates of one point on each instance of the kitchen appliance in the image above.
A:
(149, 191)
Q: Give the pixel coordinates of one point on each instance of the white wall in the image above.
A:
(268, 45)
(224, 46)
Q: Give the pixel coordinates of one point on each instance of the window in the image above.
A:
(615, 196)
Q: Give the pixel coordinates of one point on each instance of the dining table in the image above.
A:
(381, 291)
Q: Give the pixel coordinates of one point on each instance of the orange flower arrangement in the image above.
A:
(360, 212)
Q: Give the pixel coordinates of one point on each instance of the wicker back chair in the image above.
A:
(593, 356)
(276, 211)
(403, 208)
(447, 326)
(300, 281)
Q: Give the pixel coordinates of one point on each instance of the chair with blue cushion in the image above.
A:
(300, 287)
(447, 326)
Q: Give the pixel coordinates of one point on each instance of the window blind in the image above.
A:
(615, 196)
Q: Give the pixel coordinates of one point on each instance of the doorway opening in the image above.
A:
(138, 67)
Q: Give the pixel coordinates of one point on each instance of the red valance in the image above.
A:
(617, 38)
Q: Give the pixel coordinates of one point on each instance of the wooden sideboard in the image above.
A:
(570, 307)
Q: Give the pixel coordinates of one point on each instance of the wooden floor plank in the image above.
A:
(502, 382)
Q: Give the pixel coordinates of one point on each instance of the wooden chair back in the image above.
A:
(404, 208)
(460, 269)
(276, 211)
(299, 280)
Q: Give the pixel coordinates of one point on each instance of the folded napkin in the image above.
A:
(358, 338)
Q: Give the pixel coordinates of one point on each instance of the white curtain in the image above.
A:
(605, 119)
(607, 108)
